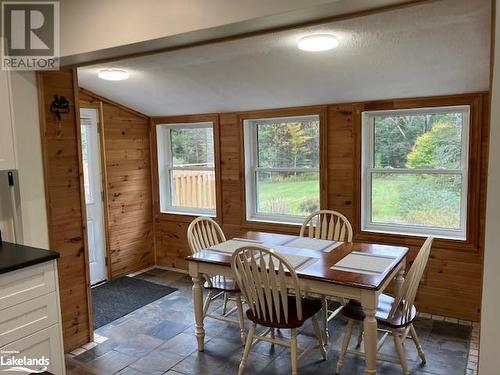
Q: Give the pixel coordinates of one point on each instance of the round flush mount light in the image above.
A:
(318, 42)
(113, 74)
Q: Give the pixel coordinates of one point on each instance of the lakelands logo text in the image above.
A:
(30, 35)
(9, 362)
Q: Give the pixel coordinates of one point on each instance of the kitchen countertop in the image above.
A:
(14, 257)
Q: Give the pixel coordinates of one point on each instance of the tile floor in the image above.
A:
(159, 339)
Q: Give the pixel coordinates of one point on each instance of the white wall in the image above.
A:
(96, 24)
(92, 25)
(489, 356)
(29, 158)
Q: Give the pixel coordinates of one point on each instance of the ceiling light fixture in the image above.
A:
(318, 42)
(113, 74)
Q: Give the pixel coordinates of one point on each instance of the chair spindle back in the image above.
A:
(261, 277)
(408, 291)
(327, 225)
(204, 232)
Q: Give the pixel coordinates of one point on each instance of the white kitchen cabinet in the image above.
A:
(30, 317)
(7, 150)
(44, 344)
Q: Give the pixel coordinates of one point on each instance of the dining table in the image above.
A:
(324, 273)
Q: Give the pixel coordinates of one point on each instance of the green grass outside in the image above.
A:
(410, 200)
(390, 196)
(386, 198)
(286, 196)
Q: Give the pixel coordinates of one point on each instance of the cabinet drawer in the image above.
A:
(28, 283)
(27, 318)
(45, 343)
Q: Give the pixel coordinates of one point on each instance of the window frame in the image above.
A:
(368, 169)
(251, 169)
(166, 167)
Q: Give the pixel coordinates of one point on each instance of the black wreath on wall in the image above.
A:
(59, 106)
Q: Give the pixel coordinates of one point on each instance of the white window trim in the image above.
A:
(367, 136)
(165, 168)
(251, 170)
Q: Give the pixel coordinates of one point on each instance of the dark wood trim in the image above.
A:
(185, 119)
(209, 117)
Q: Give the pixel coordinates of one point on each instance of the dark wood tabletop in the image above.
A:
(321, 269)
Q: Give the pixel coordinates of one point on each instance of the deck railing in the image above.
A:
(194, 189)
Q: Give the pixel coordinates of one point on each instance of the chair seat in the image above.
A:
(309, 308)
(353, 310)
(225, 283)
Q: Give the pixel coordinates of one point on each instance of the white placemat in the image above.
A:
(296, 261)
(312, 244)
(230, 246)
(370, 264)
(246, 240)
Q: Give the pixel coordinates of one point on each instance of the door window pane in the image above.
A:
(85, 131)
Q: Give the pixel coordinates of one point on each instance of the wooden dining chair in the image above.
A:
(265, 279)
(395, 315)
(202, 233)
(333, 226)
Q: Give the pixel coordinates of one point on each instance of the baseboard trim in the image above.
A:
(173, 269)
(132, 274)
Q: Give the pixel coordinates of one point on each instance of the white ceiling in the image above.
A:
(436, 48)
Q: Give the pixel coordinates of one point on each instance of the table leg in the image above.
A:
(198, 311)
(369, 301)
(398, 282)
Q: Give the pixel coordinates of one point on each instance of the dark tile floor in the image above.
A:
(159, 339)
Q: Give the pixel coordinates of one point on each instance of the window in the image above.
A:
(282, 168)
(186, 170)
(86, 155)
(414, 171)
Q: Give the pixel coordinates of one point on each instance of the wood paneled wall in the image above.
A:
(127, 164)
(452, 282)
(65, 214)
(126, 150)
